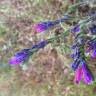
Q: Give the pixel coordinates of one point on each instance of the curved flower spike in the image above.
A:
(22, 55)
(42, 26)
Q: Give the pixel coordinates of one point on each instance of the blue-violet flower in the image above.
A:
(19, 57)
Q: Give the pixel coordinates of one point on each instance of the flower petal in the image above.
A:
(86, 74)
(78, 75)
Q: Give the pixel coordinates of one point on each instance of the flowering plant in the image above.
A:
(84, 41)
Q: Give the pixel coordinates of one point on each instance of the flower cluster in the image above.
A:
(79, 66)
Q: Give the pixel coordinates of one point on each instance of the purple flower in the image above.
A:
(42, 26)
(72, 56)
(76, 56)
(73, 46)
(93, 55)
(23, 55)
(82, 71)
(75, 64)
(88, 49)
(86, 74)
(78, 75)
(76, 28)
(19, 57)
(92, 43)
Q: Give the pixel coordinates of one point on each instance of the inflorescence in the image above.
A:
(84, 43)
